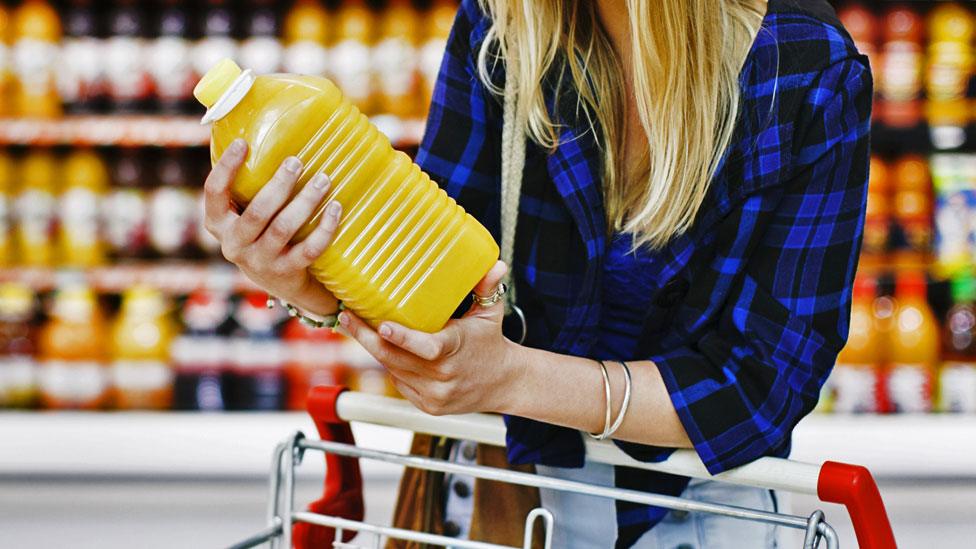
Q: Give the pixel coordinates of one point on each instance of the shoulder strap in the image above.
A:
(513, 163)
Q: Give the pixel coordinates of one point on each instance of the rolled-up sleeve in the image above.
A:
(756, 369)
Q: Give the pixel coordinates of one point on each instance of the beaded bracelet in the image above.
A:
(330, 321)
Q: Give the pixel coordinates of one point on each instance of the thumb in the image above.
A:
(488, 284)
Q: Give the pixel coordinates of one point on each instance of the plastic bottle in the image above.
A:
(72, 345)
(216, 37)
(902, 58)
(355, 26)
(142, 377)
(36, 35)
(256, 380)
(35, 209)
(201, 353)
(404, 250)
(315, 357)
(438, 20)
(306, 36)
(855, 382)
(950, 54)
(957, 378)
(126, 209)
(127, 58)
(914, 349)
(18, 367)
(7, 197)
(261, 51)
(172, 207)
(80, 68)
(395, 60)
(79, 232)
(877, 219)
(913, 210)
(171, 63)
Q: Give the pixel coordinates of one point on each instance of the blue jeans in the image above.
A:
(589, 522)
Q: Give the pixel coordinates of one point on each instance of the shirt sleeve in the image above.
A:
(758, 366)
(461, 148)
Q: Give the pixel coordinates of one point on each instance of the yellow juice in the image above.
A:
(404, 251)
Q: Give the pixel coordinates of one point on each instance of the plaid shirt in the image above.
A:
(751, 306)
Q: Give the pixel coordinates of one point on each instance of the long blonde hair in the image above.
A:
(687, 55)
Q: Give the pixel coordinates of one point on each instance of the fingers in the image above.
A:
(488, 284)
(219, 210)
(265, 205)
(284, 225)
(314, 245)
(387, 354)
(424, 345)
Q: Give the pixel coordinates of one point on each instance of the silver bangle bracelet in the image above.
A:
(330, 321)
(609, 413)
(626, 404)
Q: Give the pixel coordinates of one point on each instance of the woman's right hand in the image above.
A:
(257, 239)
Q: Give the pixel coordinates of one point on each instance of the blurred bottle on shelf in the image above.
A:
(127, 58)
(395, 60)
(437, 25)
(957, 378)
(877, 219)
(201, 353)
(170, 58)
(142, 333)
(306, 37)
(18, 384)
(954, 181)
(216, 40)
(261, 51)
(36, 34)
(35, 209)
(80, 75)
(350, 59)
(6, 61)
(948, 122)
(950, 54)
(126, 209)
(256, 380)
(315, 357)
(7, 198)
(172, 207)
(855, 384)
(914, 347)
(863, 27)
(913, 210)
(901, 54)
(80, 243)
(72, 352)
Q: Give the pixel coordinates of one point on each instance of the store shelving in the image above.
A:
(173, 277)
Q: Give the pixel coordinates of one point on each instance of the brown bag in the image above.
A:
(499, 508)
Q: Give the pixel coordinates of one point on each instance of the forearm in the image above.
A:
(568, 391)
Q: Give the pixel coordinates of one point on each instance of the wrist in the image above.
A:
(314, 300)
(516, 365)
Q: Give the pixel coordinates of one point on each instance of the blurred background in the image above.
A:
(144, 383)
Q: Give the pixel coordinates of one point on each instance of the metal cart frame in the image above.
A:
(337, 517)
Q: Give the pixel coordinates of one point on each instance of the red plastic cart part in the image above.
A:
(854, 487)
(343, 493)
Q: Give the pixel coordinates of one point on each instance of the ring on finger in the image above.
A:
(495, 297)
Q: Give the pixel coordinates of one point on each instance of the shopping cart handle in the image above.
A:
(854, 487)
(343, 493)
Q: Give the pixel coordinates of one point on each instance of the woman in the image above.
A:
(692, 203)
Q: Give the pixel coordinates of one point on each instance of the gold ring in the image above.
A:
(495, 297)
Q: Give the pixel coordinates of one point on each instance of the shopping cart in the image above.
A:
(336, 518)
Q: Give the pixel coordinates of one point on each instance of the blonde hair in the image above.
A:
(687, 55)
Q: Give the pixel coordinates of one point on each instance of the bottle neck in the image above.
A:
(231, 97)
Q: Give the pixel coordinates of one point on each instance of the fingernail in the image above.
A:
(293, 164)
(320, 181)
(385, 330)
(237, 146)
(334, 209)
(344, 319)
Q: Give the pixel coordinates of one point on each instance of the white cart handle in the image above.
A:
(850, 485)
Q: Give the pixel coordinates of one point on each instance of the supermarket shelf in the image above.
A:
(240, 444)
(156, 130)
(168, 276)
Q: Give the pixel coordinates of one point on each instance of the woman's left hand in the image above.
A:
(469, 366)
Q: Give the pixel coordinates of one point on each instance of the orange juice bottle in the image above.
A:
(350, 59)
(36, 35)
(71, 352)
(914, 347)
(35, 209)
(6, 208)
(142, 377)
(855, 381)
(86, 181)
(394, 60)
(306, 36)
(438, 22)
(404, 251)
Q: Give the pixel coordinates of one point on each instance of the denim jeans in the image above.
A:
(589, 522)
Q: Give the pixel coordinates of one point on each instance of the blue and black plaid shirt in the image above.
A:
(750, 307)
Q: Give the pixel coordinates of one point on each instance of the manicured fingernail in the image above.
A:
(334, 209)
(237, 146)
(320, 181)
(293, 164)
(344, 319)
(385, 330)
